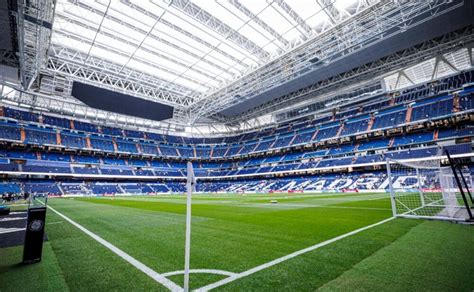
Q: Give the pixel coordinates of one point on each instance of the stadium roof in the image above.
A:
(189, 49)
(193, 47)
(205, 58)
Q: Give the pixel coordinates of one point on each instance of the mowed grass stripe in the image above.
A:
(71, 261)
(314, 269)
(135, 263)
(44, 276)
(290, 256)
(433, 256)
(230, 238)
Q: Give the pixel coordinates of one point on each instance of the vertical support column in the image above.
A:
(228, 149)
(392, 194)
(392, 140)
(270, 146)
(371, 122)
(22, 135)
(341, 128)
(420, 191)
(292, 139)
(115, 145)
(58, 137)
(456, 104)
(88, 142)
(315, 134)
(408, 116)
(392, 101)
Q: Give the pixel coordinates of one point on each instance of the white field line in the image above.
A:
(302, 205)
(356, 208)
(287, 257)
(56, 222)
(380, 198)
(140, 266)
(200, 271)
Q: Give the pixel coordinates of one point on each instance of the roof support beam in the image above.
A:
(469, 52)
(117, 35)
(8, 58)
(98, 29)
(72, 108)
(257, 20)
(401, 74)
(142, 41)
(182, 31)
(443, 58)
(120, 52)
(99, 72)
(438, 60)
(34, 23)
(444, 44)
(207, 19)
(150, 35)
(332, 12)
(283, 5)
(348, 36)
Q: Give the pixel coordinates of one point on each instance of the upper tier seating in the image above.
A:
(426, 101)
(327, 131)
(424, 110)
(58, 122)
(390, 117)
(86, 127)
(20, 115)
(72, 140)
(356, 125)
(413, 139)
(102, 144)
(9, 132)
(39, 136)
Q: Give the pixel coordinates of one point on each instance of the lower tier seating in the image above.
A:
(372, 181)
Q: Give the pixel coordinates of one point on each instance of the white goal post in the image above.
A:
(425, 189)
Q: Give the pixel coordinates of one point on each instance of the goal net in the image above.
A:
(425, 189)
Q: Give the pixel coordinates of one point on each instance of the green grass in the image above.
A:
(441, 261)
(229, 232)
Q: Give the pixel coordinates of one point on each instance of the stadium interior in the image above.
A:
(112, 98)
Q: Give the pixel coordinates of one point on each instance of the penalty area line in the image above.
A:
(287, 257)
(140, 266)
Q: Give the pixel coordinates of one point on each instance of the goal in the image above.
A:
(425, 189)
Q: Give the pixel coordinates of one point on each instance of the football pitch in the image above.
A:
(333, 242)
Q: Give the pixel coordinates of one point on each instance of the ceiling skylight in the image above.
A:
(199, 45)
